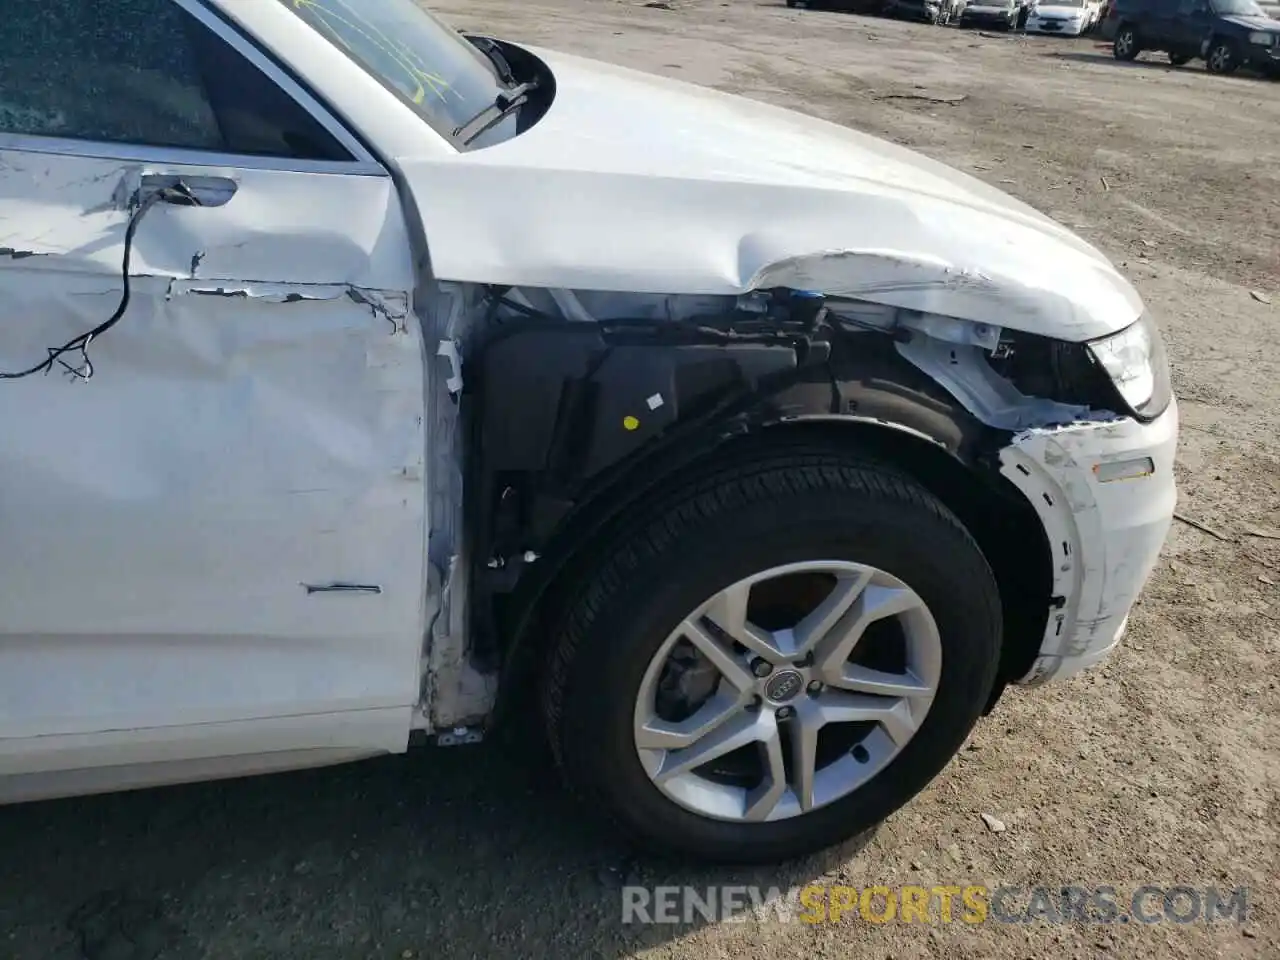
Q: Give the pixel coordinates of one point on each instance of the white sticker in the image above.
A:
(655, 401)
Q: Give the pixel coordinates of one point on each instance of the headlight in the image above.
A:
(1262, 38)
(1135, 360)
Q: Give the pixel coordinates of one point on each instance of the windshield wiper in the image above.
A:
(491, 50)
(504, 104)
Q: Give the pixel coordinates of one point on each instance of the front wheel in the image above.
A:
(1125, 45)
(774, 659)
(1222, 57)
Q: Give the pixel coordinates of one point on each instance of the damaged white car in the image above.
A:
(362, 378)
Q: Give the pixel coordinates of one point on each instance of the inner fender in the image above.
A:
(575, 424)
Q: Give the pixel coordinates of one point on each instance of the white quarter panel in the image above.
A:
(253, 425)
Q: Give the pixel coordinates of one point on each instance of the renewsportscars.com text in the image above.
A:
(968, 904)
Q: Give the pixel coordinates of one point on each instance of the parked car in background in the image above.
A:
(1093, 10)
(997, 14)
(1066, 18)
(930, 11)
(1107, 27)
(1228, 34)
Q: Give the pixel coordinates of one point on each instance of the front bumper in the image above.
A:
(1065, 28)
(1266, 59)
(983, 19)
(1105, 495)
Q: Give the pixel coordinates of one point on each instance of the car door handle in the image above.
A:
(208, 191)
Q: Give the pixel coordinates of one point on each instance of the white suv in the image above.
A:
(361, 376)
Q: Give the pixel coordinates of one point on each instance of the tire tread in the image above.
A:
(786, 472)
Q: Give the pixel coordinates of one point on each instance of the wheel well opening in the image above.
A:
(1004, 525)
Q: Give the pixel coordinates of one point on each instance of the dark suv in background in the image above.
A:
(1227, 33)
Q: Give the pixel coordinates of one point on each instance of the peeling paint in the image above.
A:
(393, 309)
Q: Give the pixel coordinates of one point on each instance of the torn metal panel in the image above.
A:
(633, 183)
(456, 689)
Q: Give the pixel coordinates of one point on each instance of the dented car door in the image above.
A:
(212, 511)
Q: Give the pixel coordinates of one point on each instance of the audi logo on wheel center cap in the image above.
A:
(783, 685)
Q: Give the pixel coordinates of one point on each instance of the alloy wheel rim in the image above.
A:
(818, 706)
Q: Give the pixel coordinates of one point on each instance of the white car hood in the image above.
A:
(637, 183)
(1059, 13)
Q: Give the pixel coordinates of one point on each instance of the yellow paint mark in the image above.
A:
(417, 79)
(630, 423)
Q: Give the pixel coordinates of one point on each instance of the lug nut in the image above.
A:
(761, 667)
(814, 688)
(786, 713)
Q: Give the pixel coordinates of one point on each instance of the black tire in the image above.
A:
(1223, 57)
(1126, 45)
(709, 533)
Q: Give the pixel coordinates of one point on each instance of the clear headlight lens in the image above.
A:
(1135, 360)
(1261, 37)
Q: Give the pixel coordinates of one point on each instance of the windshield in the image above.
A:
(430, 66)
(1238, 8)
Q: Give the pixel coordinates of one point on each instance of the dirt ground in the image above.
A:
(1160, 767)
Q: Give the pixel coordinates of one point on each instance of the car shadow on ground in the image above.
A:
(1195, 66)
(465, 852)
(1105, 56)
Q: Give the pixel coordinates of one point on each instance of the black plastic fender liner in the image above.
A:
(573, 425)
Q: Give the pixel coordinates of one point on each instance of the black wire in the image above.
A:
(180, 194)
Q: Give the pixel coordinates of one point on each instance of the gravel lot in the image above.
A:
(1161, 767)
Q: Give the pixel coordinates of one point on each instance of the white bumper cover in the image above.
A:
(1105, 495)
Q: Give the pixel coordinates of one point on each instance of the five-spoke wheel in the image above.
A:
(773, 656)
(736, 721)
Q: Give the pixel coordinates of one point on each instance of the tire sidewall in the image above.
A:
(661, 590)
